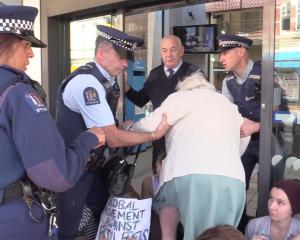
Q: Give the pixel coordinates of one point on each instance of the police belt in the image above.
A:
(12, 192)
(31, 194)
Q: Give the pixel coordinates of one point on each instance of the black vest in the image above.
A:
(247, 95)
(70, 123)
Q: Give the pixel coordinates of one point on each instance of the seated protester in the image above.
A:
(284, 203)
(221, 232)
(149, 187)
(150, 183)
(88, 225)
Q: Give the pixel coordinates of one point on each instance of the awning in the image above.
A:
(287, 59)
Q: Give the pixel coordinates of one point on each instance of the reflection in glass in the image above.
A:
(286, 103)
(83, 34)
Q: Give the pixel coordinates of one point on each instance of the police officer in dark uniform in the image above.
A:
(242, 87)
(88, 98)
(33, 153)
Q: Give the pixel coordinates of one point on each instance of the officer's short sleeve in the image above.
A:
(85, 94)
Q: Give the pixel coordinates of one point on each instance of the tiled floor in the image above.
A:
(252, 194)
(289, 173)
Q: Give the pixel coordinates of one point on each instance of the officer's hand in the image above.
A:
(162, 128)
(99, 134)
(249, 127)
(127, 87)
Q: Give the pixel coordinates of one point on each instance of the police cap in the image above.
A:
(123, 43)
(226, 42)
(19, 20)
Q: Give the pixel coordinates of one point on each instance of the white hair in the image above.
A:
(196, 80)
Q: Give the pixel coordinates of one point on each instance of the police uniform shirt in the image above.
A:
(175, 69)
(84, 94)
(239, 80)
(32, 134)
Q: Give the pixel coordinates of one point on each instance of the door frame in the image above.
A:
(265, 149)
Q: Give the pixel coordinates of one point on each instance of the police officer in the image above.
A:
(242, 87)
(33, 153)
(88, 98)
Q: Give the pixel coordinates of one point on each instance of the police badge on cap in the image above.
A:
(19, 20)
(121, 41)
(226, 42)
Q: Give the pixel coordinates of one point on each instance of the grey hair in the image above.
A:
(101, 42)
(196, 80)
(173, 37)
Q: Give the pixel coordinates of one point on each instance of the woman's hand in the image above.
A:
(161, 129)
(99, 134)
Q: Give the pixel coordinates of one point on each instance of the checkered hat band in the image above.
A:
(224, 44)
(15, 25)
(254, 76)
(119, 42)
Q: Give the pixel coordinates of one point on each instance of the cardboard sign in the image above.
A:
(125, 219)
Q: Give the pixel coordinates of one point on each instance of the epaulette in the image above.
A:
(254, 76)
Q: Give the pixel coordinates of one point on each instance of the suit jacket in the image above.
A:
(158, 86)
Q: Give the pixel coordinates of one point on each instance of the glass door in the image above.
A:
(246, 23)
(286, 101)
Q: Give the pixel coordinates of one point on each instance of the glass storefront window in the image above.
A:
(286, 103)
(83, 34)
(146, 26)
(285, 16)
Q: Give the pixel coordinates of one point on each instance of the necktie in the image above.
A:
(171, 72)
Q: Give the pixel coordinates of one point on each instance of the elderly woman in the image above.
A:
(202, 180)
(283, 204)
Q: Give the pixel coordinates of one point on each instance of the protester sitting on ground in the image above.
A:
(149, 187)
(203, 159)
(150, 183)
(221, 232)
(283, 204)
